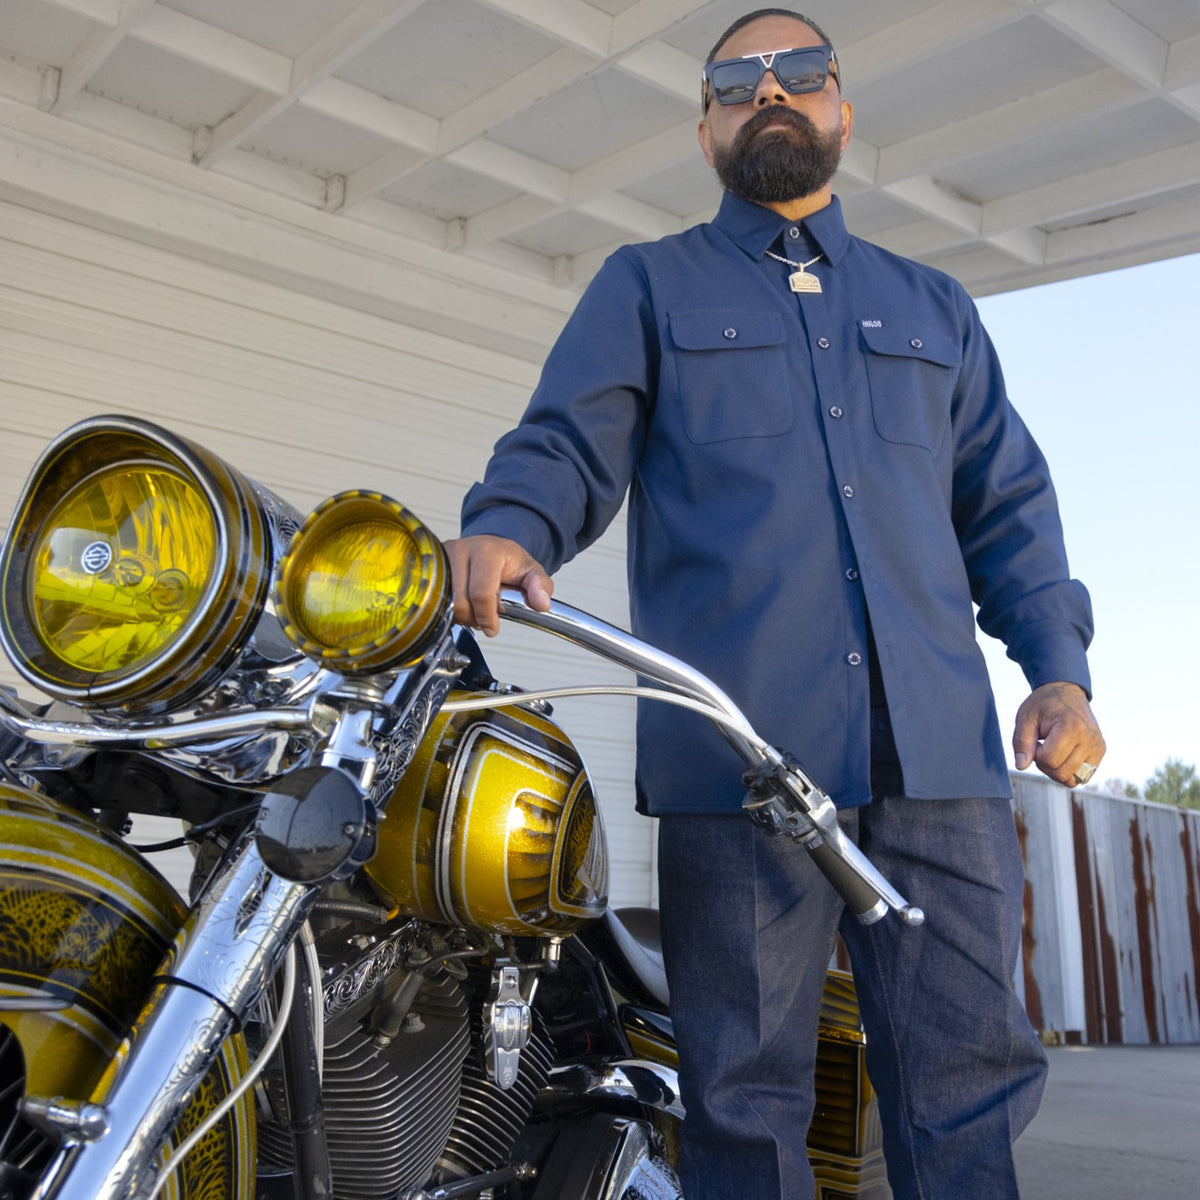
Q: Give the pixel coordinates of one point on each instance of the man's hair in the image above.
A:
(754, 16)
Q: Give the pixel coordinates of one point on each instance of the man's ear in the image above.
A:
(705, 141)
(847, 123)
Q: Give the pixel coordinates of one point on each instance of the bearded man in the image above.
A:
(824, 475)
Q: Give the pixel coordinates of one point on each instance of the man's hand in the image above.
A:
(1056, 729)
(480, 566)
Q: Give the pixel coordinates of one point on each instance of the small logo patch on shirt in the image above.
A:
(872, 324)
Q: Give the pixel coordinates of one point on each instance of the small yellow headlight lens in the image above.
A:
(119, 566)
(364, 585)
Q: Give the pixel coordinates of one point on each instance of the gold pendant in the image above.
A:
(802, 281)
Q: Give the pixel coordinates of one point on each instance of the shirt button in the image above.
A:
(916, 343)
(847, 491)
(730, 333)
(823, 343)
(854, 658)
(793, 233)
(835, 412)
(852, 574)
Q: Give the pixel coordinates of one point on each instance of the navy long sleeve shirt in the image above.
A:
(793, 461)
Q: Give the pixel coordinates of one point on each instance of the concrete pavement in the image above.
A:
(1117, 1123)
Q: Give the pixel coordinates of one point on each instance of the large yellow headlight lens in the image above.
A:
(119, 566)
(364, 585)
(134, 569)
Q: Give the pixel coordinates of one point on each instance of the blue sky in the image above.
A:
(1102, 370)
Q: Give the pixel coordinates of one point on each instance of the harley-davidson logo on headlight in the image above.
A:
(96, 557)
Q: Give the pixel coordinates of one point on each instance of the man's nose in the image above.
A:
(769, 90)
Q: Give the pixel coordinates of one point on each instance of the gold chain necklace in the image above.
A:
(799, 280)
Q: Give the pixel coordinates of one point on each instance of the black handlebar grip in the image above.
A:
(860, 897)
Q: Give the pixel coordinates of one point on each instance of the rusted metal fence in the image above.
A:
(1112, 916)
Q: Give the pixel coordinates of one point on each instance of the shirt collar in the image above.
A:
(753, 228)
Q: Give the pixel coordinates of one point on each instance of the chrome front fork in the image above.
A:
(234, 941)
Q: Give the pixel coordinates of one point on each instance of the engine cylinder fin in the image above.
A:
(490, 1119)
(388, 1108)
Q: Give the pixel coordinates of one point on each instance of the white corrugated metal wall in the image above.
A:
(308, 397)
(1112, 916)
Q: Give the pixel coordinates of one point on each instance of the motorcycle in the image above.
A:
(396, 974)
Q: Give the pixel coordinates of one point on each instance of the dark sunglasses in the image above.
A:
(735, 80)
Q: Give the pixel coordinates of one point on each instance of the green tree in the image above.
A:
(1174, 783)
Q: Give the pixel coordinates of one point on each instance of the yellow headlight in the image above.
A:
(119, 566)
(364, 585)
(134, 569)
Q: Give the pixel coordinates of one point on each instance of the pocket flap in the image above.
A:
(902, 341)
(725, 329)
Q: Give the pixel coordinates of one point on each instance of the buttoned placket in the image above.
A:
(830, 367)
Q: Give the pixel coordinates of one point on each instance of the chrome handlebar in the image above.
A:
(783, 799)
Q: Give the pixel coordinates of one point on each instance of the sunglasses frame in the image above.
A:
(765, 63)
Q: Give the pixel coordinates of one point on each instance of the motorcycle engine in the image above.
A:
(406, 1098)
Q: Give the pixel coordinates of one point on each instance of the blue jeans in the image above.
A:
(749, 927)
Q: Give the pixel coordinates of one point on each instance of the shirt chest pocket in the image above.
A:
(732, 374)
(912, 375)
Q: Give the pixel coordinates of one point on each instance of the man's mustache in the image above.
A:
(775, 114)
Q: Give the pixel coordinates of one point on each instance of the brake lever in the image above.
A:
(782, 800)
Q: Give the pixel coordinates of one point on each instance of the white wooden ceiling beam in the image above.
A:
(658, 152)
(93, 52)
(647, 20)
(594, 184)
(1162, 225)
(1026, 245)
(503, 220)
(582, 53)
(1111, 34)
(923, 36)
(666, 68)
(1101, 91)
(366, 110)
(514, 169)
(926, 196)
(1183, 75)
(197, 42)
(1183, 63)
(644, 221)
(929, 198)
(920, 238)
(1091, 191)
(103, 12)
(353, 33)
(573, 22)
(513, 96)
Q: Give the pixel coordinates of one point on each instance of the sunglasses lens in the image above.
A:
(736, 82)
(802, 70)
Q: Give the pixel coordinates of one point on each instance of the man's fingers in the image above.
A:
(480, 566)
(1056, 729)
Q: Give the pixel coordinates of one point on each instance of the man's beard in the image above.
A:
(784, 164)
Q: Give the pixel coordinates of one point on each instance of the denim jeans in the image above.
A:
(749, 927)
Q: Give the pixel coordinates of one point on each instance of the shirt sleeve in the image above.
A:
(1007, 520)
(555, 482)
